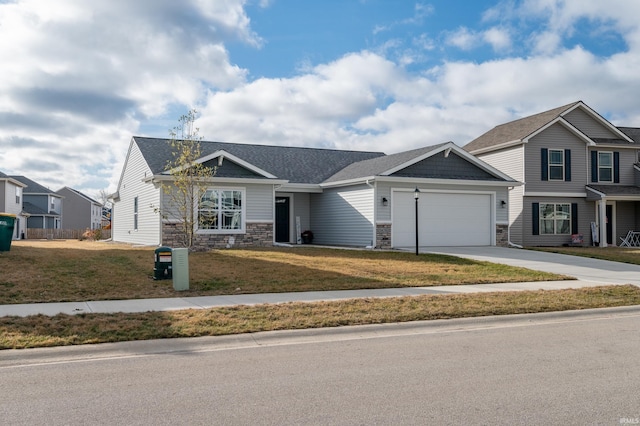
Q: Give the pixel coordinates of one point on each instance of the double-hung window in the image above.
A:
(221, 210)
(555, 218)
(556, 164)
(605, 166)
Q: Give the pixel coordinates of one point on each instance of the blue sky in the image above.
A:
(383, 75)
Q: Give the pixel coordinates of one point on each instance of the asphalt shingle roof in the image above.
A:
(378, 165)
(613, 190)
(632, 132)
(297, 165)
(516, 130)
(32, 186)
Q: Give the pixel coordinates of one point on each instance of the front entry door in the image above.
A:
(283, 223)
(609, 223)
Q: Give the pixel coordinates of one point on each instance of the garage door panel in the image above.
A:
(445, 219)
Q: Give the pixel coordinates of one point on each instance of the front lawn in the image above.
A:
(616, 254)
(52, 271)
(60, 330)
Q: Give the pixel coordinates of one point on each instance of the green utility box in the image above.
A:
(180, 269)
(163, 265)
(7, 223)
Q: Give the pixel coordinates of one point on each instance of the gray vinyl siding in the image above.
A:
(8, 196)
(131, 186)
(509, 161)
(628, 158)
(451, 167)
(588, 125)
(77, 214)
(555, 137)
(259, 203)
(301, 209)
(40, 201)
(516, 221)
(384, 190)
(343, 216)
(586, 215)
(625, 219)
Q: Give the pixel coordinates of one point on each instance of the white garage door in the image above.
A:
(444, 219)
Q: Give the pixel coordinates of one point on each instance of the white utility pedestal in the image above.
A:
(180, 267)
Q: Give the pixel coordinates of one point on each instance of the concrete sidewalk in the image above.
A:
(588, 273)
(205, 302)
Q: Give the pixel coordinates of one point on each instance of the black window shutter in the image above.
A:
(594, 166)
(567, 165)
(535, 213)
(544, 168)
(574, 218)
(616, 167)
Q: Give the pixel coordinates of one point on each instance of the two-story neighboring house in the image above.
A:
(81, 211)
(580, 175)
(43, 205)
(11, 202)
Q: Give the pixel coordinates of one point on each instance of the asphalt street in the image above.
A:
(556, 368)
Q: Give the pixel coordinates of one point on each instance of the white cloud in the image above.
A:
(498, 38)
(462, 38)
(84, 75)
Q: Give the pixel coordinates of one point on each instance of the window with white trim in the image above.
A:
(135, 214)
(18, 195)
(221, 210)
(555, 219)
(605, 166)
(556, 164)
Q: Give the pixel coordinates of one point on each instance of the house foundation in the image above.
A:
(256, 235)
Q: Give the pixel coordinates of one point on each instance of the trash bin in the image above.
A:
(163, 264)
(7, 223)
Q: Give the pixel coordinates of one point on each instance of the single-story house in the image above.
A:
(270, 194)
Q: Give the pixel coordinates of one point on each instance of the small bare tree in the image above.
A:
(190, 178)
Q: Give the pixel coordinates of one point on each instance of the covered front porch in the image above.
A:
(617, 209)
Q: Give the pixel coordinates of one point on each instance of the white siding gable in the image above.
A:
(132, 185)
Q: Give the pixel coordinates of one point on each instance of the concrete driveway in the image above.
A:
(582, 268)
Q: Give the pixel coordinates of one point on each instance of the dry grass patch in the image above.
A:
(52, 271)
(616, 254)
(40, 330)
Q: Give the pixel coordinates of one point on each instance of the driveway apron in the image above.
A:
(582, 268)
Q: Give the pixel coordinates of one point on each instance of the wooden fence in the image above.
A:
(61, 234)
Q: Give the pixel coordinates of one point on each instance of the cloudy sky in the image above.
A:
(79, 78)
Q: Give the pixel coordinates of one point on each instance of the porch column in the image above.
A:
(602, 221)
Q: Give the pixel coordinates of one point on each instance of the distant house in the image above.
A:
(43, 205)
(81, 211)
(263, 195)
(581, 176)
(11, 192)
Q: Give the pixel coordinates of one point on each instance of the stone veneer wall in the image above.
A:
(256, 235)
(502, 235)
(383, 236)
